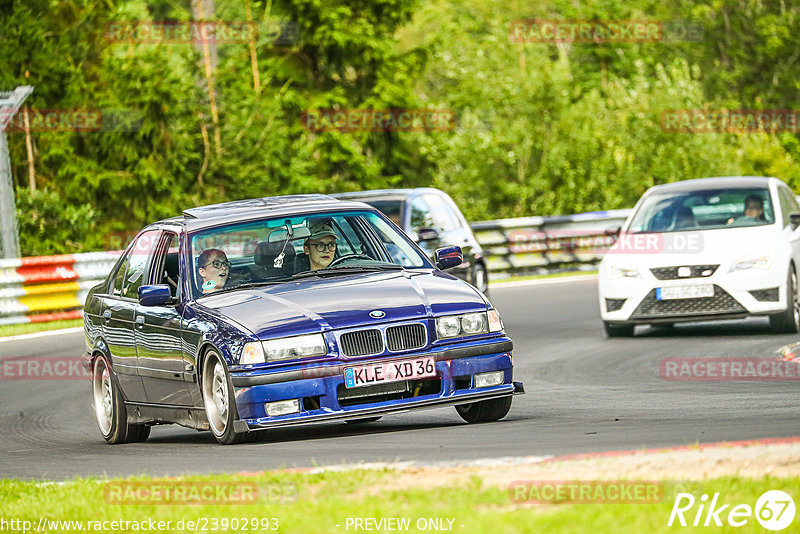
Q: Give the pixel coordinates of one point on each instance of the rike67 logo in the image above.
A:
(774, 510)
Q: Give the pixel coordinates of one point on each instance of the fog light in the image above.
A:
(487, 380)
(283, 407)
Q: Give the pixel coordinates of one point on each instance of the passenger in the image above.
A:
(320, 245)
(685, 218)
(213, 267)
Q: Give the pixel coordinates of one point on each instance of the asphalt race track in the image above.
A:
(585, 393)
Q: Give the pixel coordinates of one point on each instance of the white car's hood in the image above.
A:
(706, 247)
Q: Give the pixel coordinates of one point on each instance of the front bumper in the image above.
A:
(320, 389)
(736, 295)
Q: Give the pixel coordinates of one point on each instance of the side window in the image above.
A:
(138, 257)
(421, 216)
(443, 216)
(119, 278)
(167, 269)
(788, 204)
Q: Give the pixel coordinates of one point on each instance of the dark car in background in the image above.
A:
(431, 218)
(219, 320)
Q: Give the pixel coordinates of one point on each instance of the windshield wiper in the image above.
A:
(249, 285)
(347, 270)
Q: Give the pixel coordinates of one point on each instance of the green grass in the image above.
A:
(306, 503)
(29, 328)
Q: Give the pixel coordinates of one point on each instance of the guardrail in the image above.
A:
(49, 288)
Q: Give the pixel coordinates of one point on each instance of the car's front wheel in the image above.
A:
(618, 330)
(788, 321)
(109, 407)
(480, 278)
(484, 411)
(219, 401)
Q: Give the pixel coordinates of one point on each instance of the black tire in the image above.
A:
(109, 407)
(485, 411)
(219, 401)
(364, 420)
(480, 278)
(788, 321)
(616, 330)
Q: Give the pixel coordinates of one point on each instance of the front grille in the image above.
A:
(720, 304)
(361, 342)
(405, 337)
(765, 295)
(613, 305)
(695, 271)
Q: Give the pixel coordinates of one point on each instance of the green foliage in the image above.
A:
(47, 225)
(541, 128)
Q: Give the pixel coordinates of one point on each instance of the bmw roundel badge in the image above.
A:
(377, 314)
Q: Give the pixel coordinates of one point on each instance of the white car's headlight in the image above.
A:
(290, 348)
(467, 324)
(754, 261)
(619, 270)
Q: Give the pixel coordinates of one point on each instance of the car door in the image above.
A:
(164, 371)
(789, 205)
(119, 310)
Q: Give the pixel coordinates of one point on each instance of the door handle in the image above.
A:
(140, 321)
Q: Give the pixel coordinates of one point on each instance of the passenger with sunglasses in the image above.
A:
(213, 267)
(320, 246)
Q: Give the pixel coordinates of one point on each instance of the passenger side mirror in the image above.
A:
(614, 231)
(427, 234)
(156, 295)
(448, 257)
(794, 219)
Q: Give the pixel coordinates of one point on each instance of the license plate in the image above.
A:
(685, 292)
(381, 373)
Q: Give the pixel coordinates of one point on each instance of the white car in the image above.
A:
(707, 249)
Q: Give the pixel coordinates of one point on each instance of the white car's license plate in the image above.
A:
(381, 373)
(685, 292)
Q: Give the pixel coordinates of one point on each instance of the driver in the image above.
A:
(320, 245)
(754, 207)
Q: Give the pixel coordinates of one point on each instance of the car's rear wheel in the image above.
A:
(618, 330)
(218, 400)
(109, 407)
(485, 411)
(788, 321)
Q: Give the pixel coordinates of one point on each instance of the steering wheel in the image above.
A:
(351, 256)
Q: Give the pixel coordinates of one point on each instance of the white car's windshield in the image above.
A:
(680, 211)
(287, 248)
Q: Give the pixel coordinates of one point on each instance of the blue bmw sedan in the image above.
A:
(254, 314)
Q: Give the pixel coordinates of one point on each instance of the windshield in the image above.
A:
(680, 211)
(282, 249)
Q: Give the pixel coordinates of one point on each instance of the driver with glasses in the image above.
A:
(320, 246)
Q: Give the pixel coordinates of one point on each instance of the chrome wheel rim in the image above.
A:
(103, 396)
(795, 301)
(215, 395)
(480, 278)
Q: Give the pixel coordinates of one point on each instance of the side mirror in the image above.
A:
(448, 257)
(157, 295)
(427, 234)
(613, 232)
(794, 219)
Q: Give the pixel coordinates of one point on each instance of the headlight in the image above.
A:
(466, 325)
(252, 353)
(618, 270)
(289, 348)
(756, 261)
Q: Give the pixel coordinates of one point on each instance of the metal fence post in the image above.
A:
(10, 102)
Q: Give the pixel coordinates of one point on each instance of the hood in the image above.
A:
(312, 305)
(708, 247)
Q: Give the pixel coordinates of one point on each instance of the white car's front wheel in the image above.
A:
(788, 321)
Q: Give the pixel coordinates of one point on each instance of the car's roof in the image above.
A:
(388, 194)
(720, 182)
(257, 208)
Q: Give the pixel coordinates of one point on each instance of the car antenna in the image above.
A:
(278, 263)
